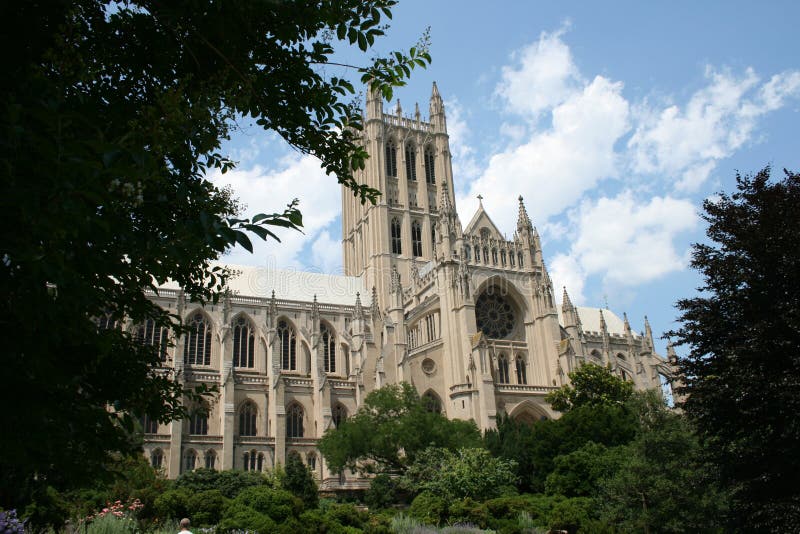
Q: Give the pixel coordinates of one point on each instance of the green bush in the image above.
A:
(238, 516)
(277, 504)
(173, 504)
(468, 511)
(111, 524)
(429, 508)
(229, 483)
(572, 514)
(298, 479)
(383, 492)
(205, 508)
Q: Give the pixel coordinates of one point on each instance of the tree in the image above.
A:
(299, 480)
(116, 113)
(390, 429)
(590, 385)
(742, 373)
(466, 473)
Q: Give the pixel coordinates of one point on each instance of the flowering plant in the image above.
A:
(10, 524)
(114, 517)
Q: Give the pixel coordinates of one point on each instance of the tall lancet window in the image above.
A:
(430, 160)
(287, 341)
(522, 375)
(328, 348)
(502, 369)
(197, 350)
(397, 243)
(416, 238)
(391, 158)
(411, 163)
(244, 343)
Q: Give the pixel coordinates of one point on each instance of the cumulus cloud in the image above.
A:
(686, 144)
(543, 75)
(270, 190)
(553, 168)
(626, 241)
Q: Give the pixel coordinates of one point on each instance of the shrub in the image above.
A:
(429, 508)
(229, 483)
(173, 504)
(299, 480)
(205, 508)
(278, 504)
(383, 492)
(238, 516)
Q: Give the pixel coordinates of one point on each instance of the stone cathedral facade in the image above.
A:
(462, 313)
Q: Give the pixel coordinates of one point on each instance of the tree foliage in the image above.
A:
(742, 374)
(298, 479)
(590, 385)
(116, 112)
(390, 429)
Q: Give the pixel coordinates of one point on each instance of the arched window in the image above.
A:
(503, 258)
(433, 239)
(391, 158)
(243, 344)
(149, 426)
(294, 422)
(485, 254)
(502, 369)
(397, 243)
(211, 459)
(311, 459)
(328, 348)
(432, 402)
(522, 375)
(511, 259)
(197, 350)
(247, 419)
(595, 354)
(156, 336)
(621, 356)
(287, 341)
(107, 322)
(467, 253)
(253, 461)
(430, 160)
(521, 262)
(411, 163)
(198, 422)
(157, 458)
(190, 460)
(339, 415)
(345, 360)
(416, 239)
(494, 256)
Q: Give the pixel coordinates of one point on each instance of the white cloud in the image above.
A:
(626, 241)
(270, 190)
(554, 168)
(565, 271)
(686, 144)
(464, 164)
(326, 254)
(543, 76)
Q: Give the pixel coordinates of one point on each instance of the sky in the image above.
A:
(613, 120)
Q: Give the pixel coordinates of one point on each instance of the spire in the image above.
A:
(437, 111)
(648, 333)
(374, 307)
(627, 324)
(359, 311)
(399, 110)
(315, 308)
(603, 327)
(566, 303)
(444, 202)
(523, 221)
(435, 93)
(416, 111)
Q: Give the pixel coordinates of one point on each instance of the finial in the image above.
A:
(359, 311)
(523, 221)
(480, 199)
(565, 302)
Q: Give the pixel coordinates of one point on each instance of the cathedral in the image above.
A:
(465, 315)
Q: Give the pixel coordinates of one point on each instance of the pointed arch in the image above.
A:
(527, 412)
(287, 344)
(197, 346)
(189, 460)
(430, 162)
(210, 458)
(328, 340)
(522, 369)
(149, 333)
(198, 421)
(411, 162)
(248, 416)
(294, 421)
(502, 369)
(244, 342)
(339, 414)
(416, 239)
(156, 458)
(396, 233)
(391, 158)
(432, 401)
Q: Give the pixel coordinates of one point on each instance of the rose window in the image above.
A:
(495, 315)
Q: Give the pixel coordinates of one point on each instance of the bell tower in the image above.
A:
(410, 163)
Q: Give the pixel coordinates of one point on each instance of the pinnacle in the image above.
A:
(565, 302)
(435, 92)
(523, 221)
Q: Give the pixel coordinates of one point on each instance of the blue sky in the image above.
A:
(613, 120)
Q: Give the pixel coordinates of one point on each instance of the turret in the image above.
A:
(438, 120)
(374, 103)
